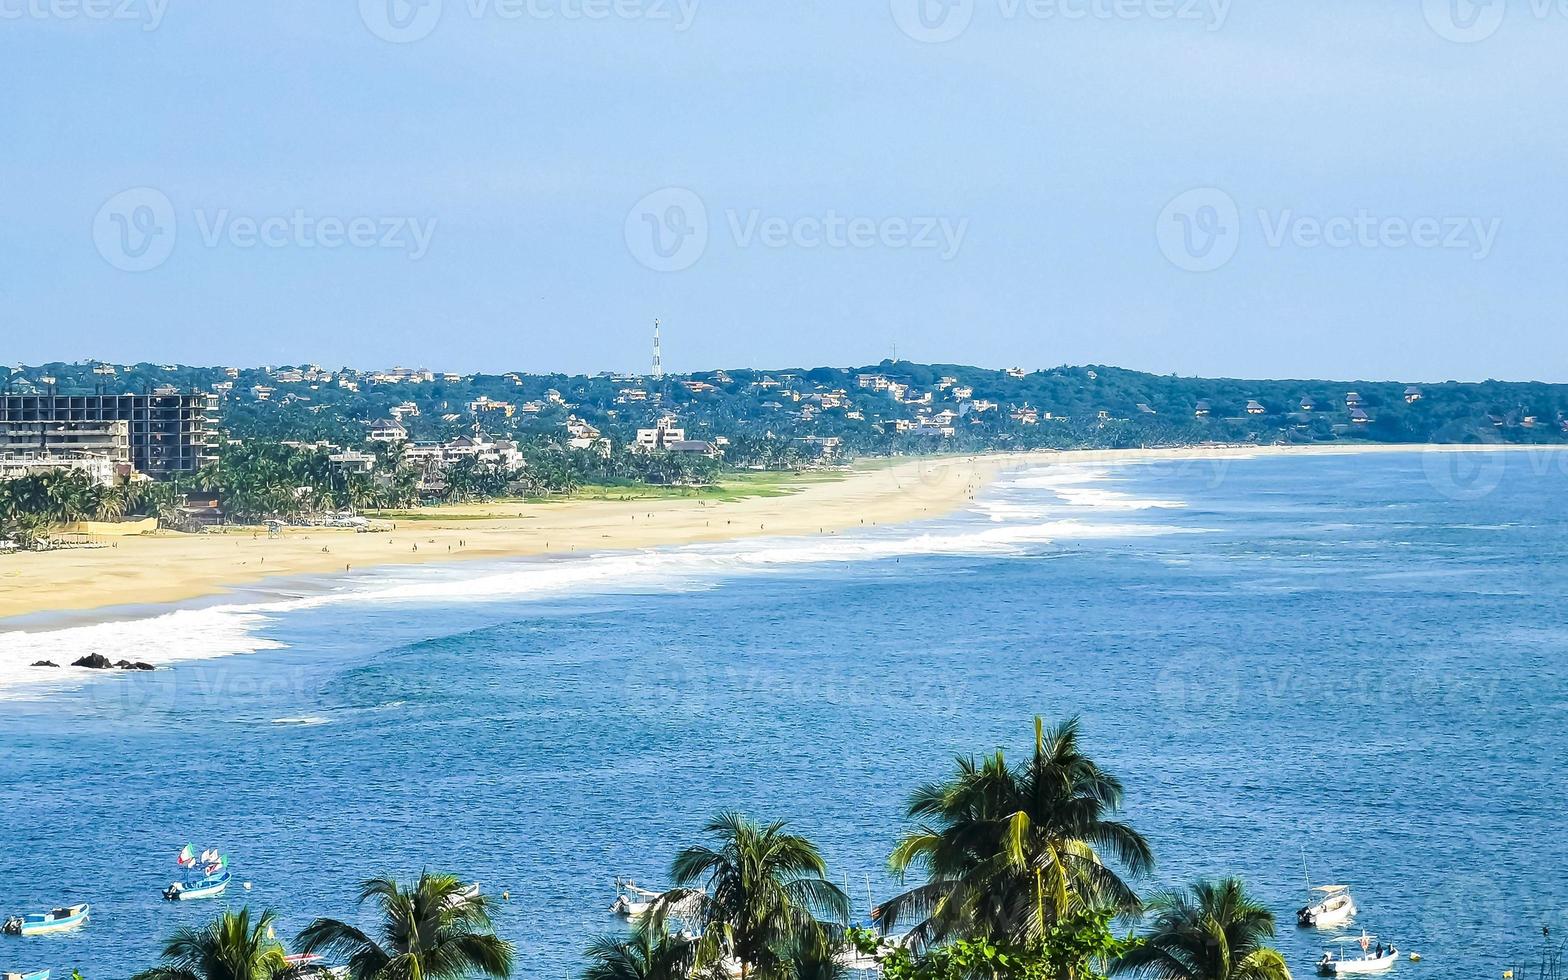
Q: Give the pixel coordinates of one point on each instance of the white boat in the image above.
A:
(43, 923)
(1334, 908)
(632, 901)
(209, 885)
(1373, 959)
(312, 965)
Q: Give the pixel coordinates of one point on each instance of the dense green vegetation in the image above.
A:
(1016, 887)
(31, 505)
(765, 413)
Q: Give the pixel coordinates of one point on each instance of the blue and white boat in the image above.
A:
(35, 975)
(209, 885)
(42, 923)
(210, 882)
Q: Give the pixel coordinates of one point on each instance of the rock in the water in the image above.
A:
(138, 665)
(45, 663)
(96, 661)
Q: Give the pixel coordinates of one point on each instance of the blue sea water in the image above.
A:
(1351, 667)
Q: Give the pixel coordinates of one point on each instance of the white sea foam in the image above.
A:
(1018, 519)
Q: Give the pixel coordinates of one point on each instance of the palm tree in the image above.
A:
(1008, 852)
(757, 895)
(1212, 931)
(231, 947)
(433, 929)
(651, 953)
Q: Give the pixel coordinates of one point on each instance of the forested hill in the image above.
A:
(888, 407)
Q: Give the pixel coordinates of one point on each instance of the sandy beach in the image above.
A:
(172, 567)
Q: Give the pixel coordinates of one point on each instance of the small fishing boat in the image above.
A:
(210, 882)
(632, 901)
(209, 885)
(35, 975)
(42, 923)
(312, 965)
(1333, 908)
(1378, 959)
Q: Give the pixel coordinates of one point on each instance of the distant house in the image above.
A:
(386, 430)
(1307, 404)
(1015, 372)
(662, 436)
(1352, 399)
(1256, 408)
(1412, 395)
(1146, 410)
(694, 447)
(1359, 417)
(353, 462)
(1202, 410)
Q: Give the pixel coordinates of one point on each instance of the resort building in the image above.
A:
(101, 470)
(163, 434)
(387, 430)
(661, 436)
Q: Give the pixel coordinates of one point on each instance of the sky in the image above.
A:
(1354, 189)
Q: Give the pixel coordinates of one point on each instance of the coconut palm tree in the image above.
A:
(1211, 931)
(648, 954)
(1009, 851)
(755, 896)
(231, 947)
(432, 929)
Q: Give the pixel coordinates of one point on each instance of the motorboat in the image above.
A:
(631, 900)
(35, 975)
(206, 875)
(1373, 959)
(312, 965)
(1334, 907)
(43, 923)
(209, 885)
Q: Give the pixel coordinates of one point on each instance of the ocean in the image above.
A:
(1349, 668)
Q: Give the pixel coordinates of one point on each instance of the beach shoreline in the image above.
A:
(167, 568)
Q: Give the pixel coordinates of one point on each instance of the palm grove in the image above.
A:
(1012, 872)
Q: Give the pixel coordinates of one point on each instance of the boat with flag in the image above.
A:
(43, 923)
(206, 876)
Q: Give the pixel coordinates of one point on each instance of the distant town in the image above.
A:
(193, 446)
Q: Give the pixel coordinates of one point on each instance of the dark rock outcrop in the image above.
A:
(96, 661)
(138, 665)
(45, 663)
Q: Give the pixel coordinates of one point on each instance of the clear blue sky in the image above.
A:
(1150, 183)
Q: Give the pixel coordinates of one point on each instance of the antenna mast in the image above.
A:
(658, 354)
